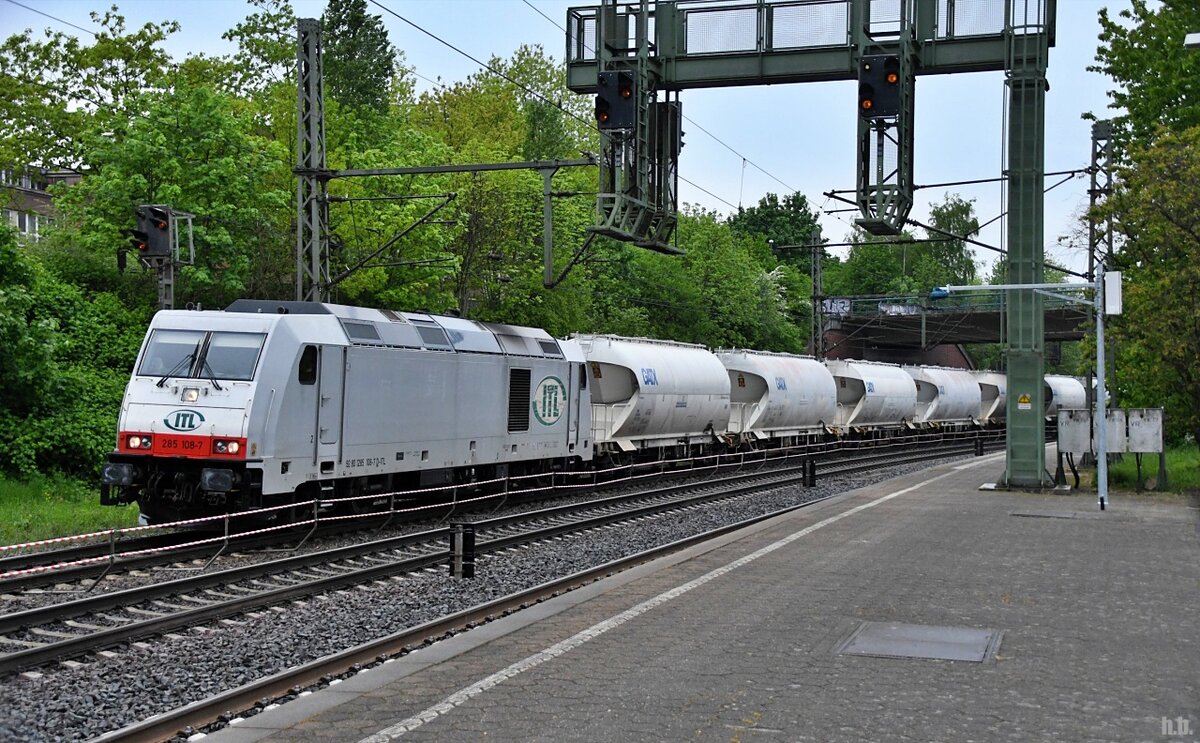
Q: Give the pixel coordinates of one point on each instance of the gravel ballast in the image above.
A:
(155, 676)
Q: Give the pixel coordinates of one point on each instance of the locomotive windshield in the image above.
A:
(196, 354)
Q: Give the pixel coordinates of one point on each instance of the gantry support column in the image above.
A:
(1025, 466)
(312, 207)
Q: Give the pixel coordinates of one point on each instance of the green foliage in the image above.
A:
(1156, 97)
(950, 261)
(359, 60)
(47, 507)
(902, 267)
(66, 360)
(786, 226)
(57, 94)
(1183, 470)
(1157, 209)
(1156, 80)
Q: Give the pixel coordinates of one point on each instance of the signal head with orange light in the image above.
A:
(879, 81)
(616, 100)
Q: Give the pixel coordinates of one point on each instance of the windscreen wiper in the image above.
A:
(212, 376)
(183, 364)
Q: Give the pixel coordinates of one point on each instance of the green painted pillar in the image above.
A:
(1025, 466)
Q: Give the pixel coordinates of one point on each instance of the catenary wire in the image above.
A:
(53, 18)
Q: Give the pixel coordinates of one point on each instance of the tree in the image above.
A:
(57, 96)
(63, 370)
(1157, 80)
(192, 150)
(791, 222)
(359, 60)
(956, 216)
(266, 55)
(1157, 210)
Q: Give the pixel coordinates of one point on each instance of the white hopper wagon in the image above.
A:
(1063, 392)
(945, 395)
(775, 395)
(648, 393)
(872, 394)
(993, 392)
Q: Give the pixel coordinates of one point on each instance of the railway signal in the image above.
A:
(879, 86)
(616, 101)
(160, 243)
(139, 241)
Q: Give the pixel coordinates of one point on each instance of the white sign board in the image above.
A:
(1112, 293)
(1116, 432)
(1145, 430)
(1074, 431)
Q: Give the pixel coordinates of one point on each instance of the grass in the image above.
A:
(1183, 470)
(55, 507)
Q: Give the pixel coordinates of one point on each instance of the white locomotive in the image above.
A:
(270, 403)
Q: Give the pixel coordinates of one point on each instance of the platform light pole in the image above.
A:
(1106, 299)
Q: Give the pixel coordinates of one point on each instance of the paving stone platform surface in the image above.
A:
(736, 641)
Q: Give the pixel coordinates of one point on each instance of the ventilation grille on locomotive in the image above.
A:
(518, 400)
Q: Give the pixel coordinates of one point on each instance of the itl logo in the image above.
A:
(1178, 726)
(549, 400)
(184, 420)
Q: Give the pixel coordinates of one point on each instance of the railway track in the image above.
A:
(255, 696)
(93, 561)
(75, 628)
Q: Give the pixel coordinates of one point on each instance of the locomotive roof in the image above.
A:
(375, 327)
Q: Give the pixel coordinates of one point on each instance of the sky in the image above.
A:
(772, 139)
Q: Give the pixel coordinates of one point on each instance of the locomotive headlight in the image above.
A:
(138, 442)
(191, 394)
(221, 447)
(233, 447)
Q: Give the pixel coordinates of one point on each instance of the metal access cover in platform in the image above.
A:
(892, 640)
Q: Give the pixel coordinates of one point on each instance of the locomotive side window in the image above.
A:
(308, 365)
(171, 351)
(233, 356)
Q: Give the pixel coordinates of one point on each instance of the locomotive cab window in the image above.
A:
(308, 365)
(171, 352)
(232, 356)
(197, 354)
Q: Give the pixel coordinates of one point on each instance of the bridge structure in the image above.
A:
(888, 326)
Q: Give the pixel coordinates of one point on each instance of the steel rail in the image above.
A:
(427, 542)
(249, 696)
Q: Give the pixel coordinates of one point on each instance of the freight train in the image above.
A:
(269, 403)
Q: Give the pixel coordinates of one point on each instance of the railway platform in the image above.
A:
(827, 624)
